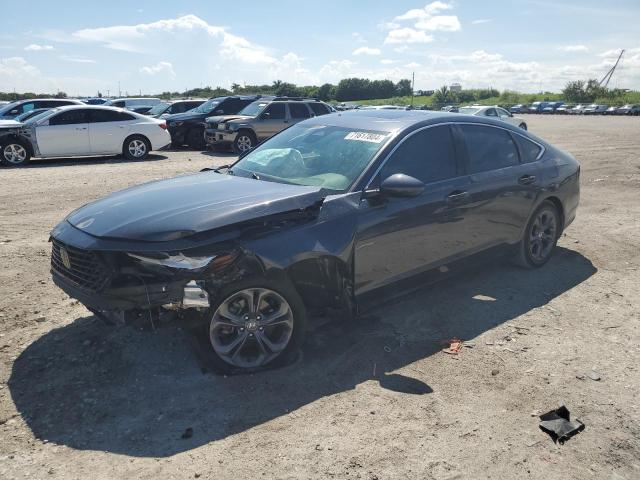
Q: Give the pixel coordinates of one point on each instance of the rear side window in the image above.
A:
(109, 116)
(427, 155)
(69, 117)
(529, 151)
(319, 109)
(299, 110)
(489, 148)
(276, 111)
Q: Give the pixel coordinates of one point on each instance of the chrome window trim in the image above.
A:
(384, 162)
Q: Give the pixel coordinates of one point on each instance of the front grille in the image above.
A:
(86, 270)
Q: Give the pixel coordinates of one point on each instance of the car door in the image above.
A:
(66, 133)
(272, 120)
(501, 190)
(108, 129)
(399, 237)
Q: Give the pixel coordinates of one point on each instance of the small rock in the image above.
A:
(495, 372)
(188, 433)
(41, 319)
(593, 375)
(197, 475)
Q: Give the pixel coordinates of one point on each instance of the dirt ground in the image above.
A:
(373, 399)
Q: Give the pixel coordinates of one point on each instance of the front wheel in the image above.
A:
(14, 154)
(244, 142)
(256, 324)
(540, 237)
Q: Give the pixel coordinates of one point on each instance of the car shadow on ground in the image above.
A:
(93, 387)
(75, 161)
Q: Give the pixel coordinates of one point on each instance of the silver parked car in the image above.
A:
(595, 109)
(495, 113)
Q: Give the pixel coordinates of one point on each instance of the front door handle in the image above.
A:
(527, 179)
(81, 128)
(457, 196)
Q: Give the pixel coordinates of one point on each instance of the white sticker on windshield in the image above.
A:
(365, 137)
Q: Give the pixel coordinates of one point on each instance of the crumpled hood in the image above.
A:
(179, 207)
(185, 116)
(228, 118)
(4, 124)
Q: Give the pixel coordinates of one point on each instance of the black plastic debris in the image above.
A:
(188, 433)
(558, 424)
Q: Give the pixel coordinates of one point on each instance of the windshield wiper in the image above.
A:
(255, 176)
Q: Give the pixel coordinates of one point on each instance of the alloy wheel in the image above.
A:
(14, 153)
(543, 235)
(244, 143)
(251, 327)
(137, 148)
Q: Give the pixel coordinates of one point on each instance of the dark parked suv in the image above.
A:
(260, 120)
(188, 128)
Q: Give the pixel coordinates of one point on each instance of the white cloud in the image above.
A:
(367, 51)
(357, 37)
(478, 56)
(422, 13)
(444, 23)
(574, 48)
(480, 21)
(387, 61)
(34, 47)
(75, 59)
(160, 67)
(407, 35)
(412, 65)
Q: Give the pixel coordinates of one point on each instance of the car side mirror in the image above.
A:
(219, 112)
(265, 116)
(14, 112)
(401, 185)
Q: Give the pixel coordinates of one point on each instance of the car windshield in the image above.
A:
(207, 106)
(158, 109)
(254, 108)
(469, 110)
(316, 155)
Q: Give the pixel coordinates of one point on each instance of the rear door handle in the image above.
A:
(457, 196)
(527, 179)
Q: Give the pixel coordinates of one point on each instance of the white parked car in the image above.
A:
(493, 112)
(84, 131)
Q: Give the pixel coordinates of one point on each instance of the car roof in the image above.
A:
(400, 120)
(49, 100)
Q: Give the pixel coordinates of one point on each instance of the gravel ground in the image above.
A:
(373, 399)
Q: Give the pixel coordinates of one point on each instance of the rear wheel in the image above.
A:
(257, 323)
(136, 147)
(540, 237)
(15, 153)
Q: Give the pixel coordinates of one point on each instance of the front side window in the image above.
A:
(427, 155)
(69, 117)
(489, 148)
(98, 116)
(254, 108)
(161, 108)
(317, 155)
(276, 111)
(490, 112)
(319, 109)
(503, 113)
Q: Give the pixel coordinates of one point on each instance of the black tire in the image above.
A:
(523, 126)
(209, 332)
(538, 244)
(244, 139)
(14, 153)
(195, 138)
(136, 147)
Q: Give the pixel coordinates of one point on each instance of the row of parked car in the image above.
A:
(561, 108)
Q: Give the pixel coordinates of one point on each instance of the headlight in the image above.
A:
(175, 261)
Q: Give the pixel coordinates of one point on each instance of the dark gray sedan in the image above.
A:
(325, 215)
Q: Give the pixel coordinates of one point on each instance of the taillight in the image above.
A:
(163, 125)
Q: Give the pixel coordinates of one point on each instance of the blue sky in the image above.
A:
(82, 47)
